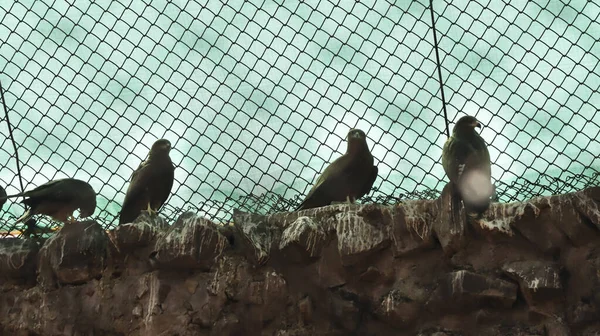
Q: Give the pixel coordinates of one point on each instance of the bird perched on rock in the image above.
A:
(348, 178)
(151, 183)
(59, 199)
(2, 197)
(466, 160)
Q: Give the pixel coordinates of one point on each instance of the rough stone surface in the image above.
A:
(411, 226)
(415, 268)
(18, 260)
(192, 242)
(74, 255)
(538, 280)
(468, 289)
(142, 232)
(303, 240)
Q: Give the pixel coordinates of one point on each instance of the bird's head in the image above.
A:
(466, 125)
(162, 146)
(88, 205)
(357, 139)
(87, 202)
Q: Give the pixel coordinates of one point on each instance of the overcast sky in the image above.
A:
(256, 97)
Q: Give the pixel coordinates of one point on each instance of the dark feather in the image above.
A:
(150, 183)
(2, 197)
(464, 154)
(351, 175)
(59, 199)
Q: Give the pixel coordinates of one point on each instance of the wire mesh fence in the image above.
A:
(257, 96)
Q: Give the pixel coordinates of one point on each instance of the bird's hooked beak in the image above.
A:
(167, 146)
(477, 124)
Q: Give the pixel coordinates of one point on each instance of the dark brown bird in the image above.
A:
(466, 160)
(151, 183)
(2, 197)
(348, 178)
(59, 199)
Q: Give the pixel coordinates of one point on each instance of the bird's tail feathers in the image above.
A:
(11, 196)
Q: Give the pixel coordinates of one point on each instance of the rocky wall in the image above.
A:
(416, 268)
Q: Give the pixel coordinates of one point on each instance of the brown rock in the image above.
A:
(517, 329)
(18, 260)
(192, 242)
(540, 284)
(360, 230)
(303, 240)
(257, 235)
(439, 332)
(329, 268)
(536, 224)
(557, 328)
(569, 221)
(375, 275)
(305, 307)
(74, 255)
(398, 309)
(474, 290)
(538, 280)
(274, 295)
(229, 324)
(499, 218)
(205, 308)
(144, 231)
(345, 313)
(411, 226)
(372, 273)
(593, 330)
(587, 203)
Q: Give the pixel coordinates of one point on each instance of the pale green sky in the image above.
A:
(257, 96)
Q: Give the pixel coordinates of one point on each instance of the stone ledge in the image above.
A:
(416, 268)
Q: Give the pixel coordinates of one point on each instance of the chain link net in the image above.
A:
(257, 96)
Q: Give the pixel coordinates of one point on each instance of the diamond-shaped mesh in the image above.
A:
(257, 96)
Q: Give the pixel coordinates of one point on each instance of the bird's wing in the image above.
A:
(337, 172)
(162, 188)
(458, 156)
(138, 184)
(485, 160)
(155, 176)
(55, 189)
(369, 183)
(2, 197)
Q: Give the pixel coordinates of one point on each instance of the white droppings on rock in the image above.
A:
(14, 251)
(416, 219)
(137, 311)
(533, 284)
(506, 214)
(457, 281)
(588, 206)
(261, 243)
(152, 301)
(388, 303)
(193, 236)
(303, 226)
(354, 234)
(535, 276)
(500, 224)
(273, 279)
